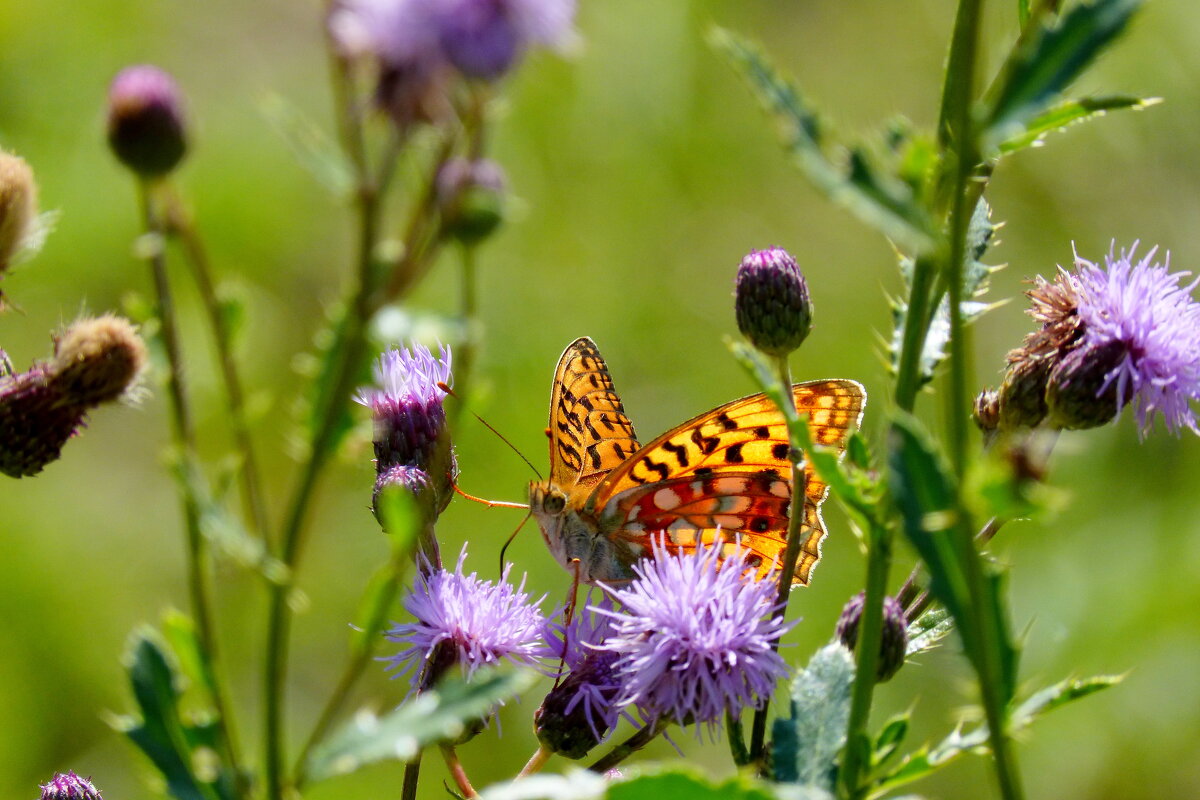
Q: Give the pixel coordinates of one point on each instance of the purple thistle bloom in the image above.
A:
(69, 787)
(407, 404)
(1156, 322)
(465, 620)
(485, 38)
(695, 640)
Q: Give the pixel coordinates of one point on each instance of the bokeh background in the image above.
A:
(644, 172)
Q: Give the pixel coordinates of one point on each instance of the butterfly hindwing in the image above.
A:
(589, 432)
(728, 471)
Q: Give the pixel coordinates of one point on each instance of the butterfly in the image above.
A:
(725, 473)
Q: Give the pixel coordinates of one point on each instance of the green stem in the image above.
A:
(454, 765)
(870, 637)
(536, 761)
(181, 225)
(185, 440)
(916, 327)
(737, 740)
(630, 746)
(791, 553)
(412, 775)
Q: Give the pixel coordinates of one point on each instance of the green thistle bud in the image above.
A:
(471, 198)
(145, 121)
(771, 299)
(893, 647)
(1073, 393)
(1022, 396)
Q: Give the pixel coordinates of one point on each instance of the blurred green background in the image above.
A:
(644, 171)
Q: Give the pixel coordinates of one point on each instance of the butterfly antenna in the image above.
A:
(490, 503)
(511, 536)
(445, 387)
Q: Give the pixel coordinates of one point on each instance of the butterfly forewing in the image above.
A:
(727, 473)
(589, 432)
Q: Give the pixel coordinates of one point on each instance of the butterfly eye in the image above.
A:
(555, 503)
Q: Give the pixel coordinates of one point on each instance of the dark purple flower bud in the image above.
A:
(96, 361)
(470, 197)
(1079, 394)
(774, 310)
(894, 645)
(69, 786)
(694, 638)
(18, 207)
(146, 128)
(580, 711)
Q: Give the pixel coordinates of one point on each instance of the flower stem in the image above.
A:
(180, 224)
(412, 774)
(737, 740)
(870, 636)
(457, 772)
(536, 761)
(791, 554)
(630, 746)
(185, 440)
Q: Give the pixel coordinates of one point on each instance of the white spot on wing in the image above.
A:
(667, 499)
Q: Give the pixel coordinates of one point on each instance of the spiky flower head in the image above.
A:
(695, 635)
(893, 646)
(69, 786)
(18, 207)
(774, 310)
(470, 196)
(96, 361)
(485, 38)
(464, 620)
(146, 128)
(580, 711)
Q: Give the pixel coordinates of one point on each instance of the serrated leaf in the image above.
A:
(851, 180)
(179, 751)
(312, 147)
(889, 739)
(1069, 113)
(927, 631)
(820, 712)
(1059, 695)
(1049, 61)
(429, 717)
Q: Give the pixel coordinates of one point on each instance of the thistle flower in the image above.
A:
(893, 646)
(412, 443)
(18, 207)
(146, 128)
(69, 786)
(485, 38)
(580, 711)
(694, 639)
(463, 620)
(96, 361)
(774, 310)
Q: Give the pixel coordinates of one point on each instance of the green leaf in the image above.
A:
(1022, 12)
(185, 754)
(432, 716)
(693, 785)
(883, 201)
(927, 631)
(1049, 61)
(576, 784)
(1068, 113)
(817, 727)
(311, 146)
(1059, 695)
(890, 739)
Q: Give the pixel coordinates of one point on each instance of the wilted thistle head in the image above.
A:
(461, 619)
(893, 646)
(96, 361)
(69, 786)
(146, 128)
(774, 310)
(581, 711)
(695, 638)
(1122, 333)
(470, 197)
(18, 207)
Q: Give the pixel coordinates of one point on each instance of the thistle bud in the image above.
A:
(893, 646)
(578, 713)
(146, 128)
(987, 411)
(1076, 394)
(470, 196)
(1022, 396)
(773, 307)
(97, 360)
(69, 787)
(18, 207)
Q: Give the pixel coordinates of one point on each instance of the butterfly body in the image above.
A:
(725, 473)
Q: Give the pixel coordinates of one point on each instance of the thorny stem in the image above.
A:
(181, 225)
(630, 746)
(457, 772)
(536, 761)
(791, 554)
(185, 439)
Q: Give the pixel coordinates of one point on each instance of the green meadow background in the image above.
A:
(643, 171)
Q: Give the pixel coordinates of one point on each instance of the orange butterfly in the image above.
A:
(725, 472)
